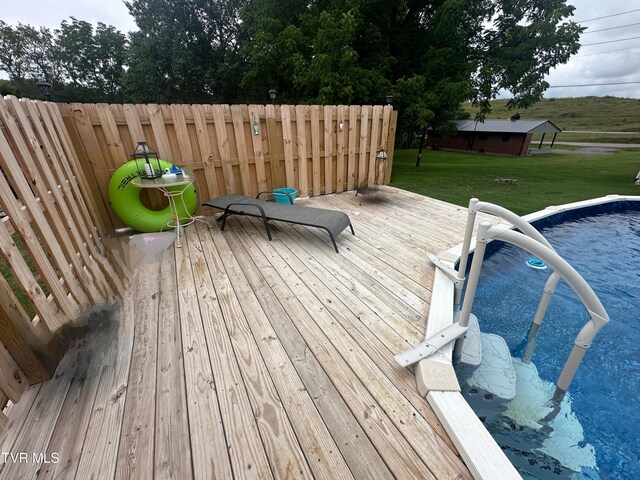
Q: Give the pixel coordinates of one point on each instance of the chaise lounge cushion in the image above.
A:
(332, 221)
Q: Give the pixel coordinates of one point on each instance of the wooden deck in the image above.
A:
(235, 357)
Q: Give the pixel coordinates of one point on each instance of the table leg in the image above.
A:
(176, 219)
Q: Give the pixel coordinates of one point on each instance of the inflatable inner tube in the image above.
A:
(126, 204)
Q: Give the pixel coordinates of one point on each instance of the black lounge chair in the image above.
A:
(332, 221)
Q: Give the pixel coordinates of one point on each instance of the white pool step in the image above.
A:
(472, 347)
(503, 376)
(495, 374)
(532, 408)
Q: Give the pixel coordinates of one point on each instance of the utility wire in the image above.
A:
(608, 41)
(608, 51)
(592, 84)
(611, 28)
(607, 16)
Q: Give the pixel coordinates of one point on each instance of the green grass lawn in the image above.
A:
(13, 283)
(596, 114)
(521, 184)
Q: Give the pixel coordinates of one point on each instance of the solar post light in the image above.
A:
(45, 89)
(381, 161)
(150, 169)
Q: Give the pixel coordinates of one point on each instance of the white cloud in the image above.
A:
(50, 13)
(619, 63)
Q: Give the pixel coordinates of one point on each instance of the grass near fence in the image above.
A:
(6, 272)
(521, 184)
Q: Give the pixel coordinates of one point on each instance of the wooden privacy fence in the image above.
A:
(240, 148)
(62, 270)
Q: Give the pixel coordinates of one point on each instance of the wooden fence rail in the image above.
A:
(239, 148)
(49, 210)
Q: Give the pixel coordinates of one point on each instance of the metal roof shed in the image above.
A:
(507, 126)
(508, 137)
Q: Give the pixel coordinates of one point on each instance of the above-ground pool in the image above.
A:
(595, 431)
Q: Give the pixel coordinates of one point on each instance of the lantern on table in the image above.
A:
(149, 161)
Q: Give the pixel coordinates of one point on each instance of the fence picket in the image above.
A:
(340, 133)
(134, 125)
(110, 129)
(373, 150)
(391, 145)
(69, 239)
(364, 142)
(241, 148)
(225, 150)
(287, 140)
(354, 113)
(12, 381)
(256, 112)
(180, 126)
(206, 152)
(328, 149)
(301, 139)
(163, 147)
(315, 149)
(276, 155)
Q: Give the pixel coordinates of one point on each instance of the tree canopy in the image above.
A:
(431, 55)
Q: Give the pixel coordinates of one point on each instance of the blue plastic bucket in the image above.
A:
(280, 195)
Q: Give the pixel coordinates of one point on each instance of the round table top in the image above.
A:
(164, 182)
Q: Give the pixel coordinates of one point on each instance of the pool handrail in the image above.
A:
(476, 206)
(598, 316)
(525, 227)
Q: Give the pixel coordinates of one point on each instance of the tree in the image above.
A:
(27, 53)
(525, 41)
(437, 54)
(77, 51)
(185, 50)
(312, 59)
(81, 65)
(433, 54)
(93, 61)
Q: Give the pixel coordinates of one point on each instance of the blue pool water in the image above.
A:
(603, 245)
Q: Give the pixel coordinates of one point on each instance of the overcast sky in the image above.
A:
(619, 63)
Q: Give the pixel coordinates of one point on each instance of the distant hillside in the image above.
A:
(594, 114)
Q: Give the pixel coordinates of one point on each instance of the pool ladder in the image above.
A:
(534, 242)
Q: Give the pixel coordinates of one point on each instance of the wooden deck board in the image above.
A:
(70, 431)
(317, 444)
(207, 436)
(280, 443)
(349, 437)
(172, 448)
(248, 459)
(363, 323)
(236, 357)
(135, 452)
(357, 375)
(100, 450)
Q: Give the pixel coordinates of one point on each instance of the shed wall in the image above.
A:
(500, 143)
